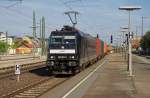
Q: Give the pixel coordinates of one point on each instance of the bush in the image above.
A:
(3, 47)
(15, 44)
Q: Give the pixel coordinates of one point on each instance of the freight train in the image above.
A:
(70, 50)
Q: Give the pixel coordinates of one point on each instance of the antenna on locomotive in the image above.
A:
(72, 14)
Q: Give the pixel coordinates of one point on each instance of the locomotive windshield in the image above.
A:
(69, 40)
(62, 42)
(56, 39)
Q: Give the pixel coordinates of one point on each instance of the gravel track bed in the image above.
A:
(10, 84)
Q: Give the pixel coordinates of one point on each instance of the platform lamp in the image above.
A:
(124, 30)
(129, 9)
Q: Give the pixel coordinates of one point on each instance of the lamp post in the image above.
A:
(129, 9)
(124, 30)
(123, 40)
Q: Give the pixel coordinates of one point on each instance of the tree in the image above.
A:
(3, 47)
(15, 44)
(145, 42)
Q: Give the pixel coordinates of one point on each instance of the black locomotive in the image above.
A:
(70, 50)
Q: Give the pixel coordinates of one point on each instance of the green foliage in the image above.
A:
(3, 47)
(145, 42)
(15, 44)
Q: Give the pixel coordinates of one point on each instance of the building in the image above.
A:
(22, 45)
(3, 36)
(136, 42)
(8, 39)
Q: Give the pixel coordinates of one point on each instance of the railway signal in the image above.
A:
(17, 69)
(111, 39)
(17, 72)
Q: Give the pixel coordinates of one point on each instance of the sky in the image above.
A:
(96, 16)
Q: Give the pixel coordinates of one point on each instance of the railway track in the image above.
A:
(9, 71)
(40, 84)
(36, 89)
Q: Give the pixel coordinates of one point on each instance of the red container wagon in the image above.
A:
(105, 48)
(101, 48)
(98, 47)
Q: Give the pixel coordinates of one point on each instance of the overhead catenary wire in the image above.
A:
(68, 3)
(85, 20)
(71, 1)
(26, 17)
(12, 5)
(18, 12)
(9, 8)
(10, 15)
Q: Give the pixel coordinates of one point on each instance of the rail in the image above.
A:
(36, 89)
(8, 71)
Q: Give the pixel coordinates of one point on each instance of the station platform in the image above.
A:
(12, 60)
(114, 81)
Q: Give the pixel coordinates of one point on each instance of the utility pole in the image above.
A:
(72, 14)
(34, 32)
(143, 25)
(6, 37)
(42, 35)
(7, 41)
(34, 25)
(136, 30)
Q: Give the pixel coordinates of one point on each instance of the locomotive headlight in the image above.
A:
(72, 57)
(52, 63)
(52, 57)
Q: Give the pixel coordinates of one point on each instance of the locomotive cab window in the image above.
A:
(56, 39)
(63, 42)
(69, 40)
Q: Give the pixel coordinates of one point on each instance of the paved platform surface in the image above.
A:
(142, 76)
(12, 60)
(114, 82)
(16, 56)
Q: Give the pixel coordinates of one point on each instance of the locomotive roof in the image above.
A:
(72, 30)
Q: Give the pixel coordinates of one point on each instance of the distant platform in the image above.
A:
(12, 60)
